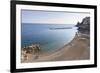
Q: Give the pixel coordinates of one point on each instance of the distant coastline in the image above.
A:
(61, 28)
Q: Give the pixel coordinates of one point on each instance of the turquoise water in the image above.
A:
(47, 35)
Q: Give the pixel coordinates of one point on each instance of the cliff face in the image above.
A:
(84, 26)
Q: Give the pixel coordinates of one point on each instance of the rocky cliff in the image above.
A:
(84, 26)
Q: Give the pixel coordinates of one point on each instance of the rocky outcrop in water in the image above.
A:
(34, 48)
(27, 51)
(84, 26)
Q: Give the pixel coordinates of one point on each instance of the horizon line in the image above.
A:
(48, 23)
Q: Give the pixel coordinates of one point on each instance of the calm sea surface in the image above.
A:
(49, 36)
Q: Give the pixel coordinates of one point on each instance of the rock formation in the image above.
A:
(27, 51)
(84, 26)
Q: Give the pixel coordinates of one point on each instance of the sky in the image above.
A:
(52, 17)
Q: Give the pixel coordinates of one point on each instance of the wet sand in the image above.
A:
(77, 49)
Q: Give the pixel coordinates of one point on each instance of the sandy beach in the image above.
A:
(77, 49)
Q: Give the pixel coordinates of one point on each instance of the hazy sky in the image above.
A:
(51, 17)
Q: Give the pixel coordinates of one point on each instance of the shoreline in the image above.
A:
(77, 49)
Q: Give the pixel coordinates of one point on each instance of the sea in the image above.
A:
(50, 37)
